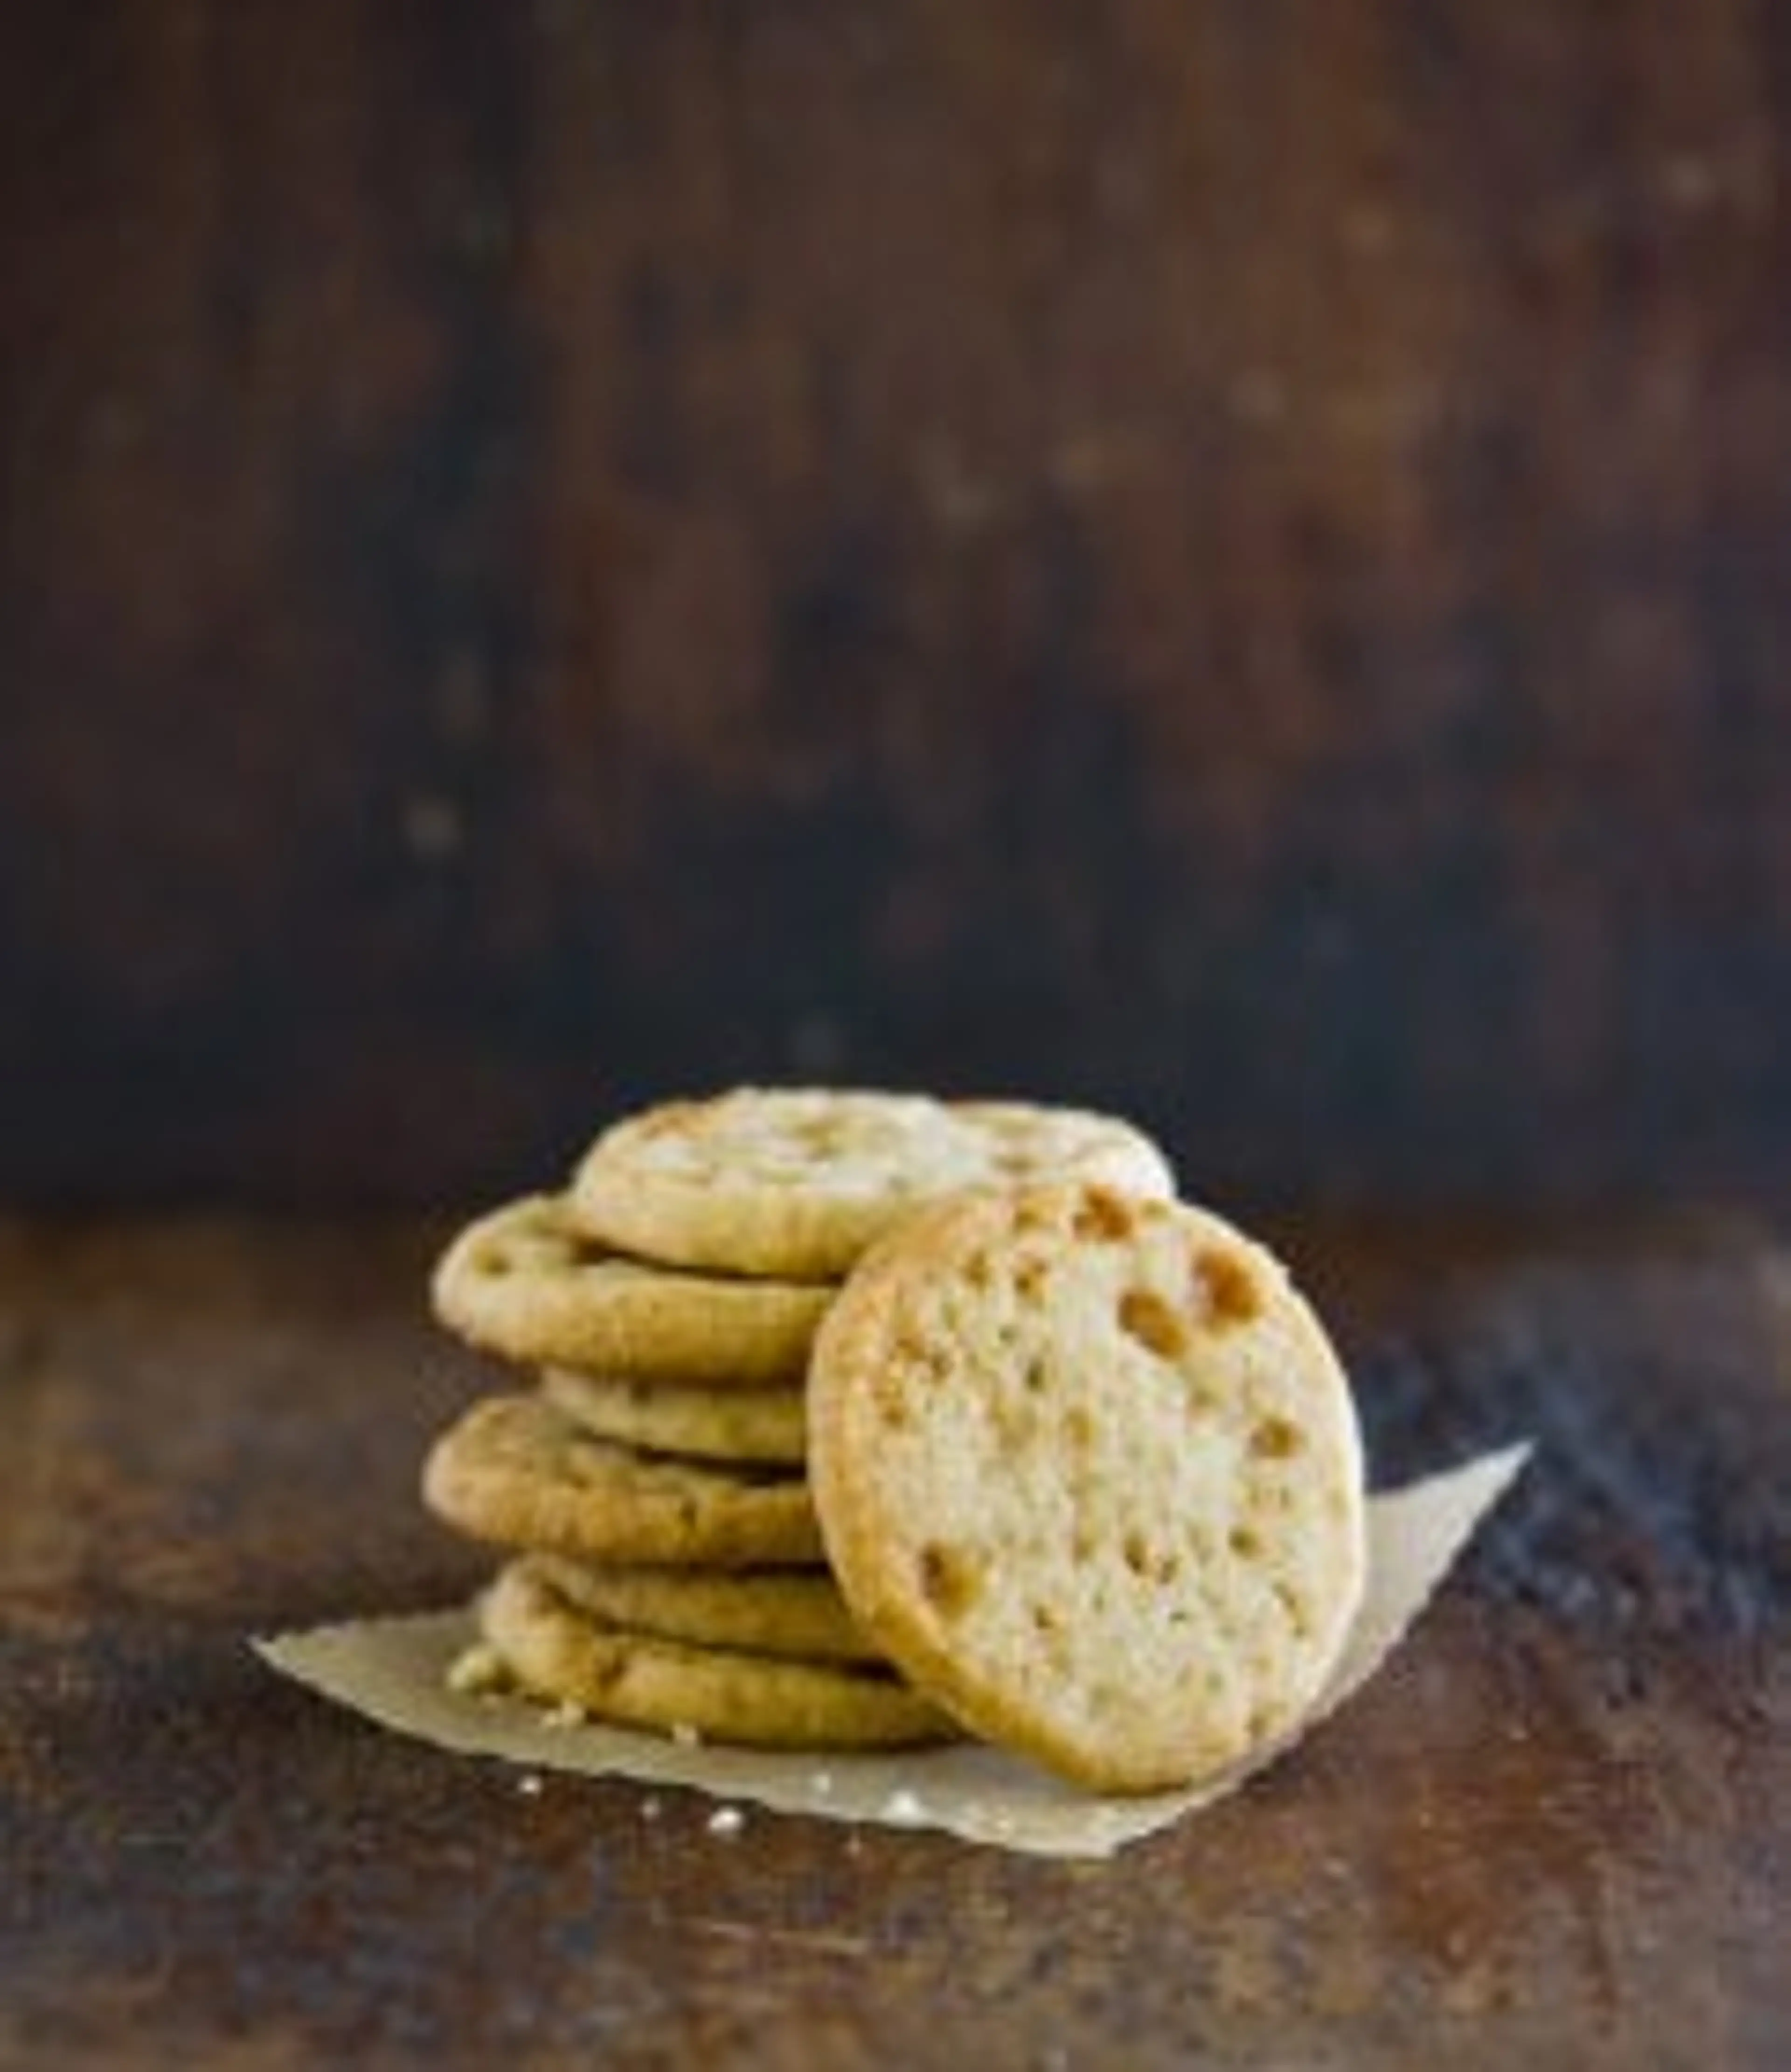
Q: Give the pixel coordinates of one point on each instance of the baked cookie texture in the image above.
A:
(1088, 1471)
(567, 1655)
(798, 1182)
(753, 1425)
(793, 1612)
(1082, 1464)
(524, 1283)
(516, 1471)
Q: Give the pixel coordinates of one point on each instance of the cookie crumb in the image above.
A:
(903, 1809)
(686, 1735)
(821, 1784)
(528, 1784)
(726, 1820)
(477, 1672)
(649, 1808)
(567, 1713)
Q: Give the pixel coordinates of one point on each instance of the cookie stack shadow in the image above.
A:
(648, 1485)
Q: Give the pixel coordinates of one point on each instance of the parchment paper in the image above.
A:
(392, 1670)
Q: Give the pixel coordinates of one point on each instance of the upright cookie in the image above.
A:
(768, 1424)
(568, 1655)
(519, 1472)
(1087, 1470)
(800, 1182)
(797, 1612)
(522, 1282)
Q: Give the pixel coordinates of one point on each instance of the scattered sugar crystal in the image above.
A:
(528, 1784)
(649, 1808)
(904, 1808)
(726, 1820)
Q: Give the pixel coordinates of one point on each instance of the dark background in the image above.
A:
(1228, 560)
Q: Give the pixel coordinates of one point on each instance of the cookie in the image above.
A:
(800, 1182)
(517, 1471)
(1088, 1471)
(683, 1417)
(567, 1656)
(795, 1612)
(524, 1283)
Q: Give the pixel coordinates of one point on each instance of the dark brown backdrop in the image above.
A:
(1233, 560)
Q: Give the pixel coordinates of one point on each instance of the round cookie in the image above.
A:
(524, 1283)
(1088, 1471)
(517, 1471)
(795, 1612)
(800, 1182)
(768, 1424)
(567, 1655)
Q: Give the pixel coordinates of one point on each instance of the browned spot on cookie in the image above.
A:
(1136, 1553)
(1104, 1217)
(950, 1579)
(1148, 1319)
(1292, 1609)
(1029, 1276)
(918, 1360)
(890, 1400)
(1244, 1542)
(1276, 1439)
(1078, 1429)
(1202, 1401)
(977, 1269)
(1227, 1287)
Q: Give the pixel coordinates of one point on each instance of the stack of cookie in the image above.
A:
(667, 1566)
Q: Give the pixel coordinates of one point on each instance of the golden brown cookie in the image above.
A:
(518, 1472)
(798, 1182)
(795, 1612)
(768, 1424)
(566, 1654)
(1088, 1471)
(524, 1283)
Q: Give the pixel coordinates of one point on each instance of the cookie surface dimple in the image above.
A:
(518, 1472)
(1089, 1471)
(524, 1283)
(567, 1655)
(800, 1182)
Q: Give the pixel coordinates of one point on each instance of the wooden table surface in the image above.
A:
(1554, 1833)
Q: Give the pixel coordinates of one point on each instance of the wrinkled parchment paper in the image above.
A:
(392, 1670)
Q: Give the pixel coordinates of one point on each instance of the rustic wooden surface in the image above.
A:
(1555, 1834)
(1228, 558)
